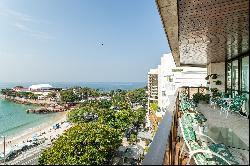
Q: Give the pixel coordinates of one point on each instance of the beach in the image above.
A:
(45, 127)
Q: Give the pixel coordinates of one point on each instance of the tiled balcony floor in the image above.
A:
(239, 124)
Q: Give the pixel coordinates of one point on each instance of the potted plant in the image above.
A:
(218, 82)
(201, 98)
(206, 98)
(207, 77)
(214, 76)
(215, 92)
(197, 97)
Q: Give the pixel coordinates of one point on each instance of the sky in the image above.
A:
(79, 40)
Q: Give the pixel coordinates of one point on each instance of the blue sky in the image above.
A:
(61, 40)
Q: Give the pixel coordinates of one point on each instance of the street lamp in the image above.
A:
(3, 148)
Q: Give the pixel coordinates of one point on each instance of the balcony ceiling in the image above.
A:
(204, 31)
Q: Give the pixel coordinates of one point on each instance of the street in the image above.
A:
(29, 157)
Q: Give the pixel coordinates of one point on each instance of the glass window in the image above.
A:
(245, 74)
(163, 93)
(229, 75)
(235, 78)
(246, 104)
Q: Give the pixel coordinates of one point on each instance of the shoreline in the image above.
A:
(13, 140)
(42, 106)
(27, 101)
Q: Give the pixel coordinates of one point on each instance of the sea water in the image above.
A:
(14, 119)
(105, 86)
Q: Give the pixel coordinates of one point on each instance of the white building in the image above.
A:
(166, 78)
(40, 87)
(153, 85)
(165, 87)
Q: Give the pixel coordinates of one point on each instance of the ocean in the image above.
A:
(105, 86)
(13, 117)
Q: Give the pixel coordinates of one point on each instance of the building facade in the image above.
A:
(166, 78)
(152, 86)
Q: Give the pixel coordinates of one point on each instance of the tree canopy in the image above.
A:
(68, 96)
(83, 144)
(99, 126)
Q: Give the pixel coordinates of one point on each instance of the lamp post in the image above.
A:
(3, 148)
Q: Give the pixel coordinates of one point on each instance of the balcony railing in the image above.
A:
(170, 139)
(156, 153)
(165, 148)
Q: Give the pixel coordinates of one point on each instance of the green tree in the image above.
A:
(78, 115)
(154, 106)
(84, 144)
(33, 96)
(106, 104)
(68, 96)
(52, 95)
(138, 96)
(140, 115)
(119, 120)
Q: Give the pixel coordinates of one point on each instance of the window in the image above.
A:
(245, 80)
(229, 74)
(245, 74)
(235, 79)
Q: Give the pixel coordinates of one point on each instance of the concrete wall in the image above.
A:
(164, 69)
(217, 68)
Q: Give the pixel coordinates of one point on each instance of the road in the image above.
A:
(29, 160)
(29, 157)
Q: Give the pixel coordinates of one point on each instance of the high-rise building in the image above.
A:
(166, 78)
(153, 85)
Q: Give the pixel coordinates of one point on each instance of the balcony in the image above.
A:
(174, 143)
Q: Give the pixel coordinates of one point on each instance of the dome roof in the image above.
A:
(40, 86)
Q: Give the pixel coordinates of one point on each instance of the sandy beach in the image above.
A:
(43, 128)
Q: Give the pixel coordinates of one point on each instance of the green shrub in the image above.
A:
(197, 97)
(154, 106)
(201, 97)
(215, 92)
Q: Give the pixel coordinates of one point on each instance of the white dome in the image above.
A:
(40, 86)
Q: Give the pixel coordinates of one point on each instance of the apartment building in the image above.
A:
(153, 85)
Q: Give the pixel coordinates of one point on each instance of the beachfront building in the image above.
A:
(41, 90)
(214, 35)
(152, 86)
(165, 84)
(171, 77)
(40, 87)
(151, 119)
(20, 89)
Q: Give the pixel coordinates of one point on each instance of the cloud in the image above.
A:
(36, 34)
(22, 27)
(21, 20)
(42, 35)
(19, 15)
